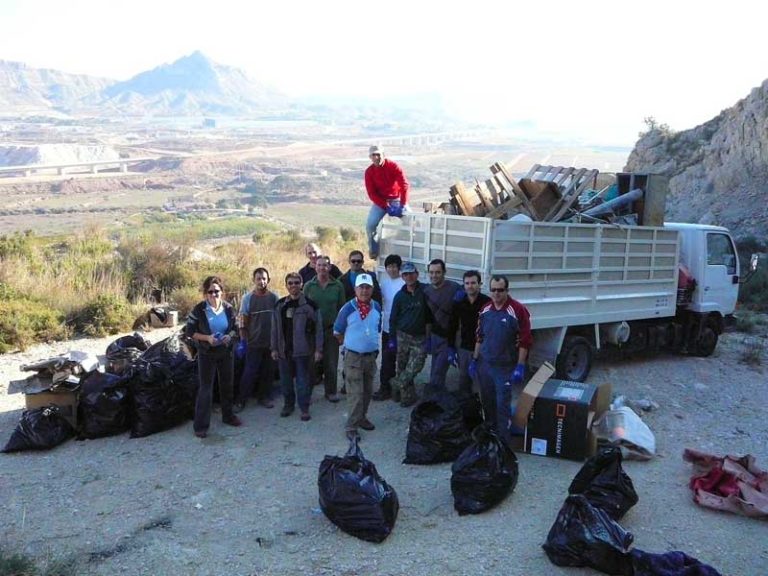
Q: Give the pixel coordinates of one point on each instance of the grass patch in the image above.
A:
(753, 351)
(23, 565)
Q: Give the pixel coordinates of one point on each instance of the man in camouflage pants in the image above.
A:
(410, 327)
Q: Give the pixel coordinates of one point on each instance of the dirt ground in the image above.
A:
(244, 501)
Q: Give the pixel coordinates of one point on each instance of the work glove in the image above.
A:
(459, 295)
(472, 370)
(453, 357)
(392, 343)
(517, 374)
(242, 347)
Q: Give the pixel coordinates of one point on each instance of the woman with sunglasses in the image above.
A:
(212, 325)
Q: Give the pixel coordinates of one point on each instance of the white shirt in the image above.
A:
(389, 287)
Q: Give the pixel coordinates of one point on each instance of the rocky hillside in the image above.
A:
(718, 171)
(24, 89)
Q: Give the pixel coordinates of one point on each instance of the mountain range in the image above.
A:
(192, 85)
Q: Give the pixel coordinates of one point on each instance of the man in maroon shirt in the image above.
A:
(387, 188)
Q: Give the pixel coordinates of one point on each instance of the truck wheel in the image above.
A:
(575, 359)
(707, 341)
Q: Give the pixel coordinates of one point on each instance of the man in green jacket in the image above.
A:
(410, 326)
(328, 294)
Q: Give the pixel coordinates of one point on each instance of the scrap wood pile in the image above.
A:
(551, 194)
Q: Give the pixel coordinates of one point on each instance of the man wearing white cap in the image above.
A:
(358, 327)
(387, 188)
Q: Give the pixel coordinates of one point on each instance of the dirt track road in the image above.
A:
(244, 501)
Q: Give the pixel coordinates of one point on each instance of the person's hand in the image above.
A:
(391, 210)
(472, 370)
(215, 339)
(517, 374)
(459, 295)
(392, 343)
(318, 356)
(241, 348)
(226, 339)
(275, 355)
(453, 357)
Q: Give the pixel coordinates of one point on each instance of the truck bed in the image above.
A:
(566, 274)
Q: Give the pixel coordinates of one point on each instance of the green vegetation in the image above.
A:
(99, 282)
(22, 565)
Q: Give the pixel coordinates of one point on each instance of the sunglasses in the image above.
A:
(214, 292)
(293, 283)
(355, 261)
(498, 290)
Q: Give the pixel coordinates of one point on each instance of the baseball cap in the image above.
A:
(375, 150)
(363, 279)
(407, 267)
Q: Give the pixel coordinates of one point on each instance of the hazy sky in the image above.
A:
(590, 68)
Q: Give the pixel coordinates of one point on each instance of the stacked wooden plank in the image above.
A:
(546, 193)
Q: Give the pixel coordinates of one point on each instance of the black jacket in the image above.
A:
(349, 289)
(197, 321)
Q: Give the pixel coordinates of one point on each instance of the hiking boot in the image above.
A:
(367, 425)
(286, 411)
(305, 417)
(382, 394)
(201, 434)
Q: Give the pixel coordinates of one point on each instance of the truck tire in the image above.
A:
(707, 341)
(575, 359)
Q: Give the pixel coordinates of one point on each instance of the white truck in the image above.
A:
(588, 286)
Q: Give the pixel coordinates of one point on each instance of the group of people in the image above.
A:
(327, 315)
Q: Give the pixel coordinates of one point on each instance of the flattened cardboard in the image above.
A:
(530, 392)
(65, 400)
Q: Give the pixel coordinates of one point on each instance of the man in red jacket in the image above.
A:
(387, 188)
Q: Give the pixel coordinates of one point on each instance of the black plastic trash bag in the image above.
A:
(604, 483)
(123, 352)
(437, 432)
(583, 535)
(355, 498)
(104, 408)
(673, 563)
(163, 387)
(471, 409)
(39, 429)
(483, 474)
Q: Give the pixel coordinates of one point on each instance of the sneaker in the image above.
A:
(305, 417)
(367, 425)
(286, 411)
(332, 398)
(382, 395)
(201, 434)
(266, 403)
(233, 421)
(238, 406)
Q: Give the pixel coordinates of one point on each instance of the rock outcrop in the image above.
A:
(718, 171)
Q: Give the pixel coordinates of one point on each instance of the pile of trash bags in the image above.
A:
(586, 531)
(355, 497)
(151, 388)
(441, 428)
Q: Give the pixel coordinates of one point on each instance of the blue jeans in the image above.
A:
(296, 369)
(258, 373)
(439, 368)
(375, 216)
(496, 396)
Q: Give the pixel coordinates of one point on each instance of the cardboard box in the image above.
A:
(557, 415)
(64, 399)
(172, 318)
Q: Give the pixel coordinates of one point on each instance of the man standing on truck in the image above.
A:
(501, 349)
(441, 296)
(410, 324)
(387, 188)
(464, 316)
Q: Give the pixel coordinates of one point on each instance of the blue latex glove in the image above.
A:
(390, 210)
(459, 295)
(241, 348)
(392, 343)
(398, 211)
(453, 357)
(472, 370)
(517, 374)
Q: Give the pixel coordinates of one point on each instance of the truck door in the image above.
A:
(720, 286)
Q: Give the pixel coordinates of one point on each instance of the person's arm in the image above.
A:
(453, 324)
(402, 182)
(273, 336)
(318, 334)
(341, 299)
(393, 314)
(525, 336)
(376, 289)
(340, 325)
(243, 328)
